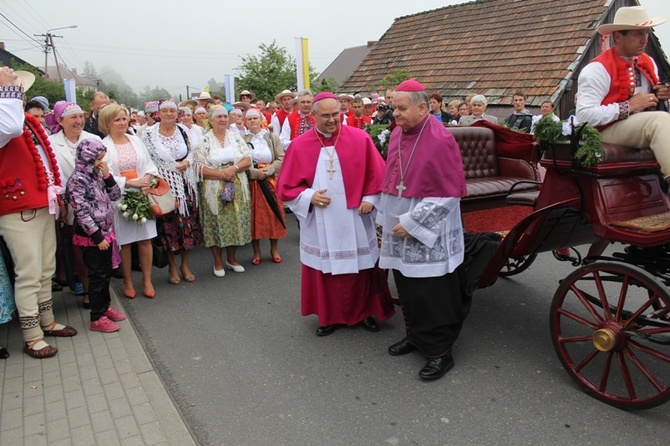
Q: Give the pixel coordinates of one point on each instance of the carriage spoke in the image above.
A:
(641, 310)
(577, 318)
(582, 296)
(587, 338)
(626, 376)
(641, 367)
(586, 360)
(603, 296)
(606, 372)
(622, 298)
(649, 351)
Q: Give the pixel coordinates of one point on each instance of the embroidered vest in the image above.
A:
(622, 74)
(23, 180)
(298, 127)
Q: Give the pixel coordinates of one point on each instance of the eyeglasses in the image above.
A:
(327, 117)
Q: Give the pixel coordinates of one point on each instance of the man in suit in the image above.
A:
(478, 104)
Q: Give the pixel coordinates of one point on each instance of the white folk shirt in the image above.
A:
(594, 84)
(334, 239)
(436, 245)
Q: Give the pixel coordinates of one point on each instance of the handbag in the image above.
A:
(228, 192)
(160, 259)
(161, 199)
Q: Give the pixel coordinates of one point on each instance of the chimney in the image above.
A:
(2, 45)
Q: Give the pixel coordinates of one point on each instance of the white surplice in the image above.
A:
(334, 239)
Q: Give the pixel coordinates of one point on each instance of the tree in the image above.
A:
(393, 78)
(89, 72)
(269, 73)
(329, 84)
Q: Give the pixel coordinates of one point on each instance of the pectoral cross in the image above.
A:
(331, 169)
(401, 187)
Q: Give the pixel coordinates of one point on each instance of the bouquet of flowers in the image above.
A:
(380, 136)
(135, 206)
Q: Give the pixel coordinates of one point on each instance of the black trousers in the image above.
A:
(435, 308)
(99, 264)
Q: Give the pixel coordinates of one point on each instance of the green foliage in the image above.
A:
(393, 78)
(135, 206)
(380, 136)
(590, 150)
(329, 84)
(269, 73)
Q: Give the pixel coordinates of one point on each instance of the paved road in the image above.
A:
(246, 369)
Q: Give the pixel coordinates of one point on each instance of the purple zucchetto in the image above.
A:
(410, 85)
(323, 95)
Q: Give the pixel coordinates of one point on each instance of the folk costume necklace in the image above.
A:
(331, 155)
(401, 187)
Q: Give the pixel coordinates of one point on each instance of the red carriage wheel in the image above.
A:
(610, 330)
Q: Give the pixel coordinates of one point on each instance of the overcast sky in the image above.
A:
(172, 44)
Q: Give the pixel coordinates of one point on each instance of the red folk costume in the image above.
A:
(281, 117)
(27, 186)
(622, 73)
(299, 123)
(359, 123)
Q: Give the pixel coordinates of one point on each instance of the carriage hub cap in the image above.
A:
(604, 339)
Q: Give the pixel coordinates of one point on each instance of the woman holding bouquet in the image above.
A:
(221, 161)
(132, 168)
(171, 148)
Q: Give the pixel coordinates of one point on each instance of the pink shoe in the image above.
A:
(104, 325)
(114, 314)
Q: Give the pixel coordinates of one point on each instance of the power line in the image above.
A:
(20, 30)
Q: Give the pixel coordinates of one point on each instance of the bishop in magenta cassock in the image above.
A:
(331, 180)
(422, 237)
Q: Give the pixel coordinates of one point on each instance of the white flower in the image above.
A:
(382, 136)
(124, 207)
(135, 217)
(143, 219)
(567, 129)
(125, 214)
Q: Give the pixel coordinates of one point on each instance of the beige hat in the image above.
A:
(246, 93)
(345, 96)
(366, 101)
(244, 105)
(204, 95)
(285, 93)
(25, 78)
(634, 17)
(188, 102)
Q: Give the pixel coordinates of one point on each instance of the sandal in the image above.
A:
(255, 261)
(174, 280)
(46, 352)
(189, 278)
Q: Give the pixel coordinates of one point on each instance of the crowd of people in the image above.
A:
(232, 169)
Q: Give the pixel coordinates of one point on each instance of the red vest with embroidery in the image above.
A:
(359, 123)
(622, 75)
(23, 180)
(296, 128)
(281, 116)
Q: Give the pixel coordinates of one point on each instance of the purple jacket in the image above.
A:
(91, 195)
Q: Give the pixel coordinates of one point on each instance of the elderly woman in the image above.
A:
(478, 105)
(200, 118)
(236, 121)
(267, 154)
(66, 135)
(185, 117)
(221, 161)
(171, 149)
(130, 164)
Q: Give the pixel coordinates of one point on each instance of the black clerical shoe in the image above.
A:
(370, 324)
(435, 368)
(401, 348)
(326, 330)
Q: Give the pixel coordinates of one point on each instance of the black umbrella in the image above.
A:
(267, 193)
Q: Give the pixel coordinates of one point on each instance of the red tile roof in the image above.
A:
(491, 47)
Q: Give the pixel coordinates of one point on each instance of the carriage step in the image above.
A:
(650, 223)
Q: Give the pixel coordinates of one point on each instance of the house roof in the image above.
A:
(345, 63)
(491, 47)
(67, 73)
(6, 59)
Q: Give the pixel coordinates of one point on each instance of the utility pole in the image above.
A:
(49, 45)
(188, 95)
